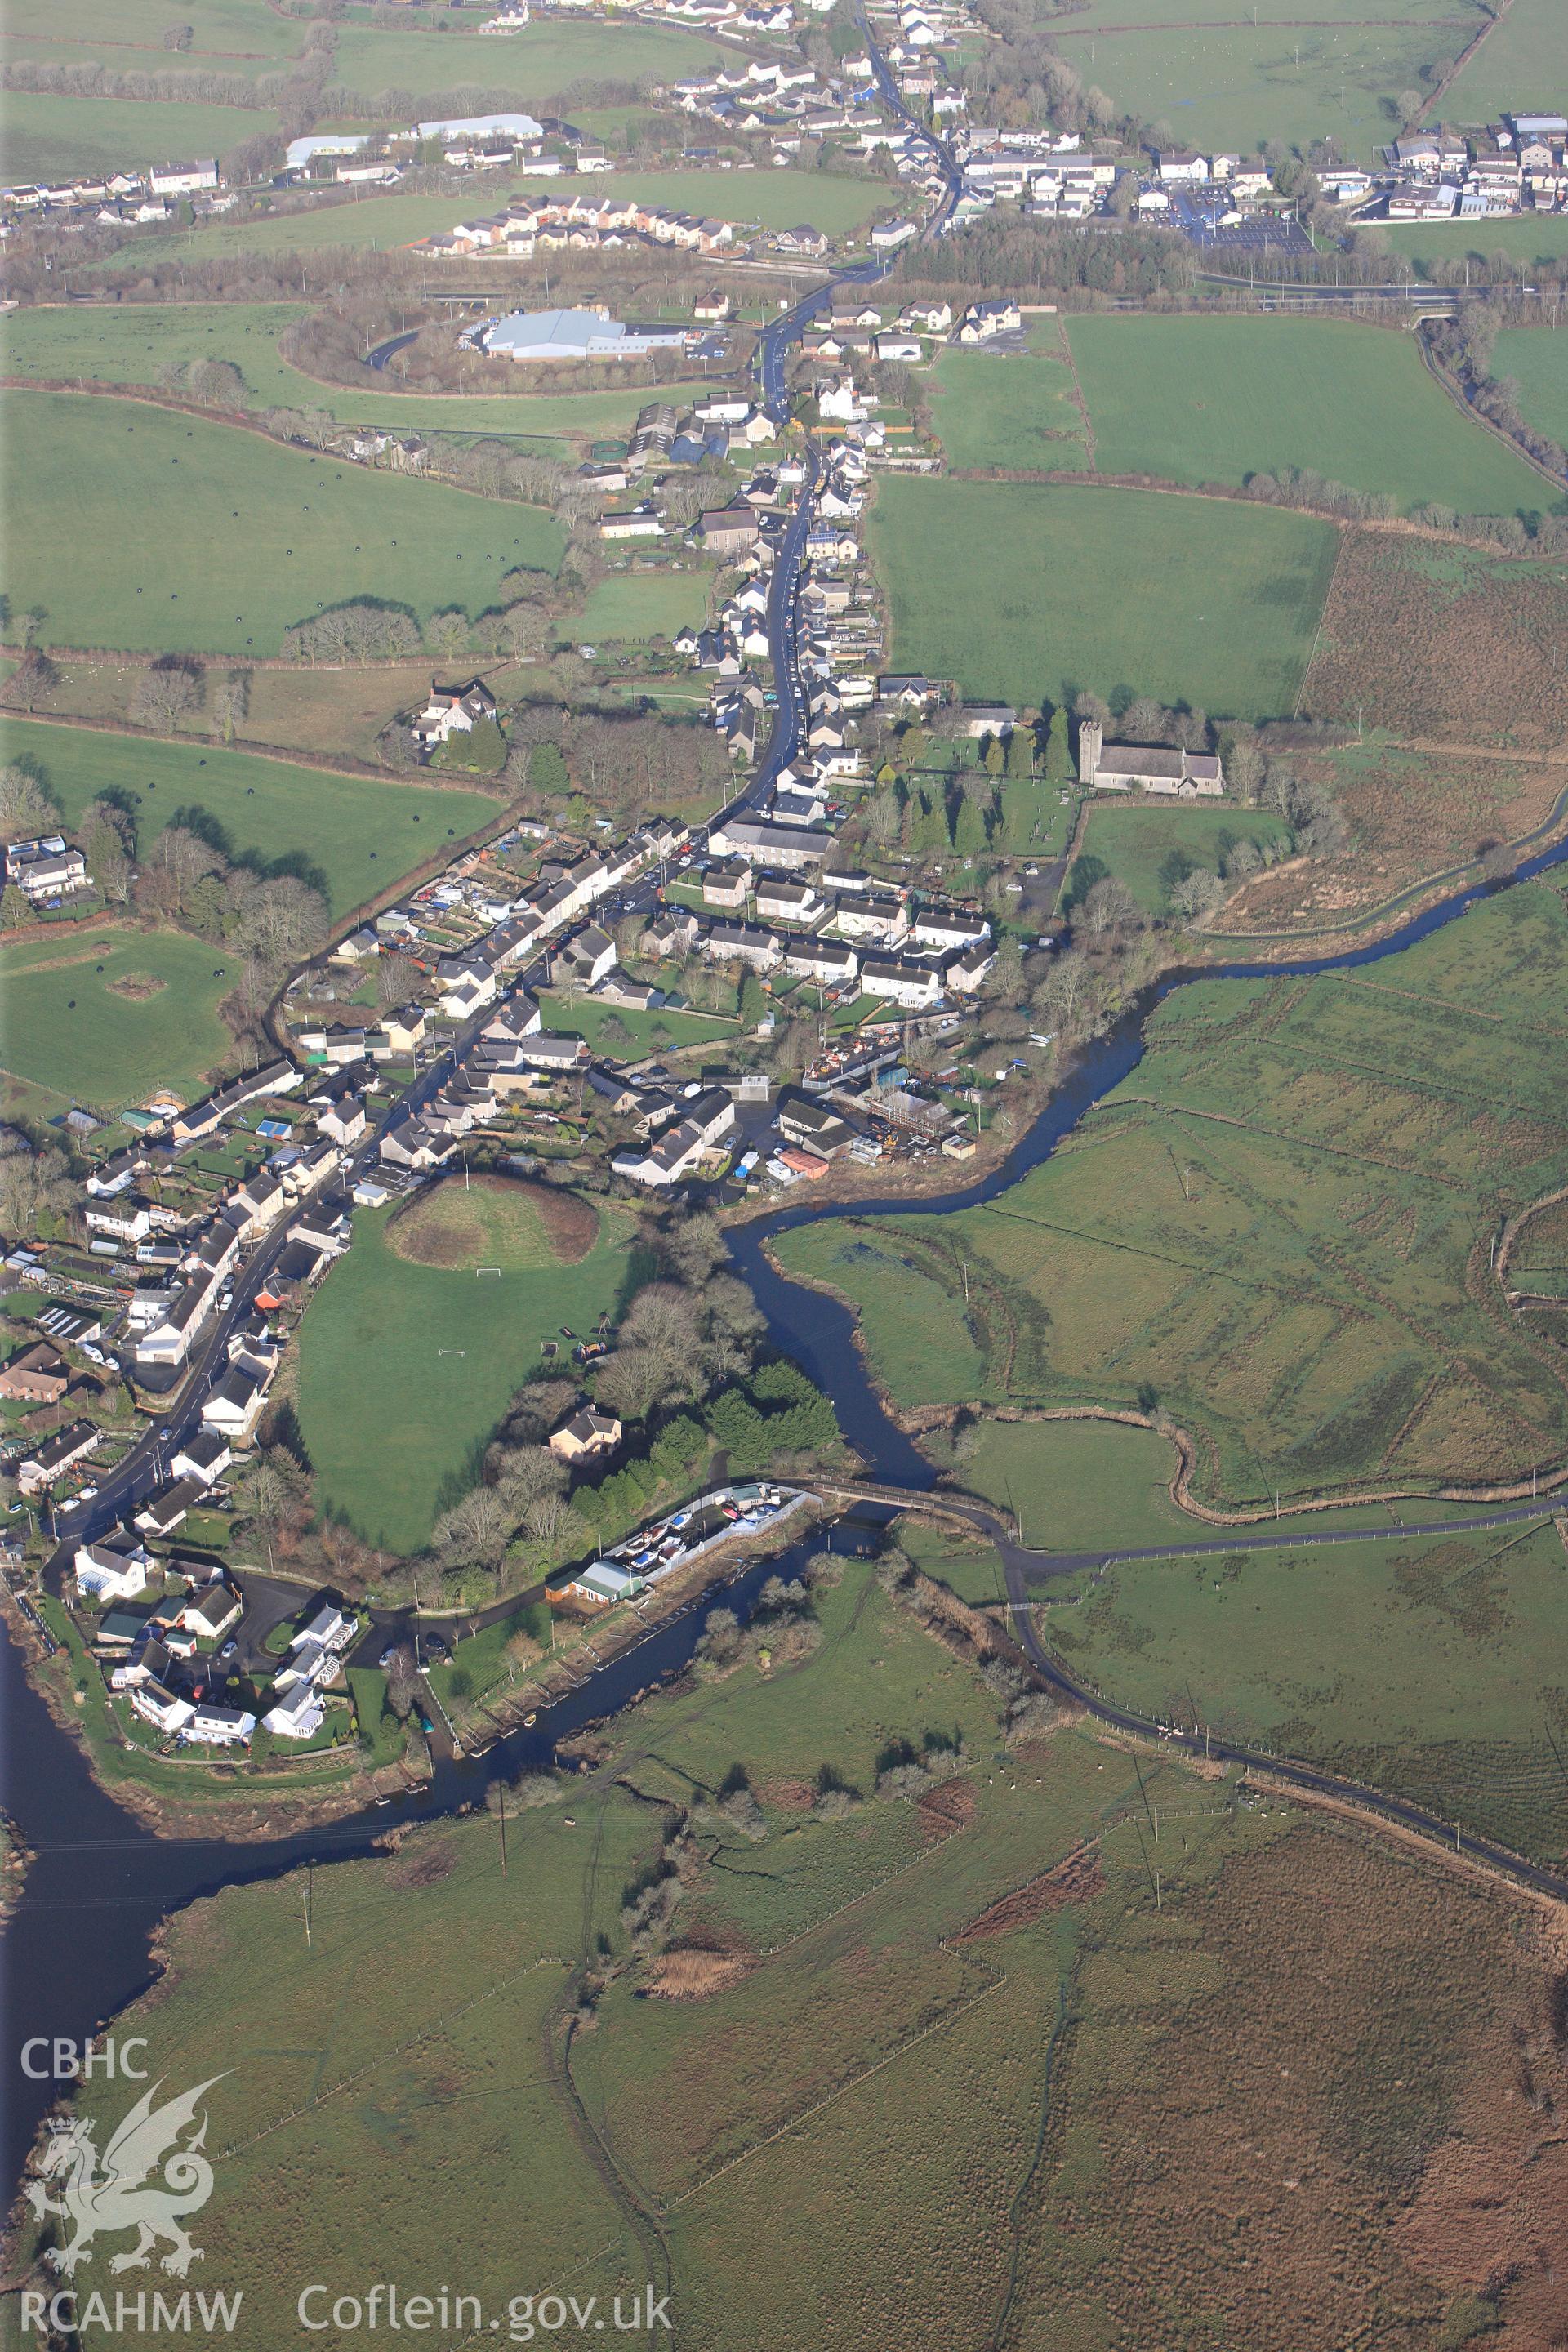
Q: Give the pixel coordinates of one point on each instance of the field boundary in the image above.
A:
(452, 780)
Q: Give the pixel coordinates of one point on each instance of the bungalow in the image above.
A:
(115, 1568)
(602, 1584)
(997, 718)
(161, 1513)
(210, 1615)
(909, 689)
(36, 1376)
(561, 1056)
(587, 1433)
(412, 1142)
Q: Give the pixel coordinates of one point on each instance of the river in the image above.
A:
(77, 1948)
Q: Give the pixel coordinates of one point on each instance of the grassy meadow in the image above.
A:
(1526, 52)
(1521, 241)
(1214, 400)
(1435, 1657)
(179, 566)
(48, 136)
(1537, 359)
(877, 2027)
(634, 605)
(538, 63)
(1273, 1229)
(1031, 592)
(239, 32)
(101, 1015)
(339, 826)
(1150, 848)
(404, 1371)
(1014, 410)
(1235, 84)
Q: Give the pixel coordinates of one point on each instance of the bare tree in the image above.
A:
(166, 693)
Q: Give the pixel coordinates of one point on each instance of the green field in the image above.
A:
(177, 565)
(884, 2036)
(1232, 85)
(1270, 1230)
(1150, 848)
(773, 199)
(340, 826)
(1537, 359)
(404, 1371)
(1098, 16)
(1520, 242)
(1213, 400)
(237, 32)
(1525, 53)
(646, 1032)
(536, 63)
(48, 136)
(65, 1029)
(1028, 592)
(130, 344)
(1012, 410)
(1426, 1667)
(636, 604)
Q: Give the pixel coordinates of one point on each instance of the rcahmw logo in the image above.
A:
(151, 2178)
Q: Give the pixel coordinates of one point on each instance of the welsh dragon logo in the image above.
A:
(125, 2194)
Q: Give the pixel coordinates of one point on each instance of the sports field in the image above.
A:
(1012, 410)
(1232, 84)
(356, 832)
(208, 538)
(103, 1016)
(130, 344)
(406, 1369)
(1275, 1229)
(1032, 592)
(1537, 359)
(1214, 400)
(48, 136)
(1152, 848)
